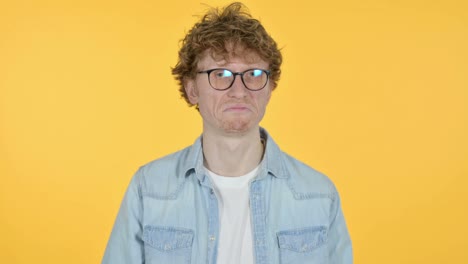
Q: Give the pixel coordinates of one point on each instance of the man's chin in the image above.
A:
(237, 127)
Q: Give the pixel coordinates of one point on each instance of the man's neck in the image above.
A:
(232, 155)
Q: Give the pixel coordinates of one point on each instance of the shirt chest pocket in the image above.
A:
(304, 245)
(167, 244)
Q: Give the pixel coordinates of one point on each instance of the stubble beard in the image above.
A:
(237, 125)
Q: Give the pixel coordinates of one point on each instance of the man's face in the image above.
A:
(236, 110)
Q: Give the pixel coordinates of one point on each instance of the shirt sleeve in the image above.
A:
(338, 237)
(125, 245)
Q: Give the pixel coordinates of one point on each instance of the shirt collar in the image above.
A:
(272, 158)
(271, 162)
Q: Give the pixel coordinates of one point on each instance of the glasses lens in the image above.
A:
(221, 78)
(255, 79)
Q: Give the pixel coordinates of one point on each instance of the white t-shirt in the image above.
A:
(235, 235)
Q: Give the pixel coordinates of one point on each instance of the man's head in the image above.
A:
(224, 34)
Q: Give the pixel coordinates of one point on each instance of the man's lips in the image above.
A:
(237, 108)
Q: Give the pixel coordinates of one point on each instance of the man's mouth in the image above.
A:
(236, 108)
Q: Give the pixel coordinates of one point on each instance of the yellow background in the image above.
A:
(373, 93)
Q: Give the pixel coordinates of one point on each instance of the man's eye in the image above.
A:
(223, 74)
(256, 73)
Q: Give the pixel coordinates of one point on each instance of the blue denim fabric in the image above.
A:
(170, 213)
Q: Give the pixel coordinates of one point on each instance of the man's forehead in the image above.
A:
(232, 55)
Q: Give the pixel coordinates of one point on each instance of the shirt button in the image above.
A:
(212, 238)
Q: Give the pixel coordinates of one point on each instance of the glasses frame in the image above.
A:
(208, 72)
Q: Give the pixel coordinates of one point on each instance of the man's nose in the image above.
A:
(238, 88)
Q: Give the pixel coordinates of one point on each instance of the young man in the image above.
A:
(233, 196)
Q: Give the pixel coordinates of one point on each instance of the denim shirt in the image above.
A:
(170, 213)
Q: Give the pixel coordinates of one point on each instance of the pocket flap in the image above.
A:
(167, 238)
(303, 239)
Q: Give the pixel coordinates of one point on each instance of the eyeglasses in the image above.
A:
(222, 79)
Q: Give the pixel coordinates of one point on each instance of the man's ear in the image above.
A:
(270, 91)
(191, 90)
